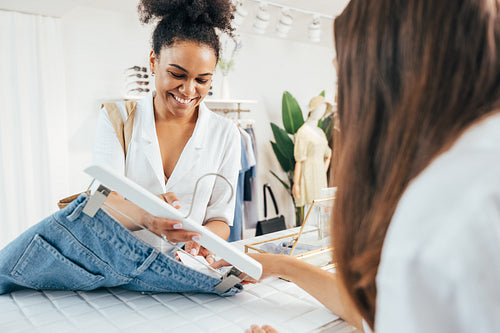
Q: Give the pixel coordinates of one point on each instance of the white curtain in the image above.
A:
(33, 135)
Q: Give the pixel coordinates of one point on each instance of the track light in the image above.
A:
(266, 9)
(239, 15)
(261, 19)
(284, 23)
(314, 31)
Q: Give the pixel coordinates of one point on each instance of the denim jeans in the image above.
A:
(71, 251)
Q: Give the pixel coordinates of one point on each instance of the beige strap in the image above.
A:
(123, 131)
(129, 124)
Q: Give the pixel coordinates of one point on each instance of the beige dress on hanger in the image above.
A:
(311, 149)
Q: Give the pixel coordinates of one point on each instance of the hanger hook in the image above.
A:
(196, 187)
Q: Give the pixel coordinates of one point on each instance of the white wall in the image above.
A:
(265, 68)
(100, 44)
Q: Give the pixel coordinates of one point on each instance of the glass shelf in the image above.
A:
(311, 243)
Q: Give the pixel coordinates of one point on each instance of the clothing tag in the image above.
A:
(96, 200)
(194, 263)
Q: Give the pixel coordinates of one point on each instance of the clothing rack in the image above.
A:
(225, 111)
(227, 106)
(244, 123)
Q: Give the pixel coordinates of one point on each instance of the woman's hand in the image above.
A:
(263, 329)
(272, 265)
(172, 229)
(195, 249)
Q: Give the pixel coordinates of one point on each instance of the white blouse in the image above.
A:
(214, 147)
(440, 264)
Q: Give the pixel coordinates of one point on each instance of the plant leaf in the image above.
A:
(322, 93)
(281, 181)
(285, 162)
(283, 142)
(291, 113)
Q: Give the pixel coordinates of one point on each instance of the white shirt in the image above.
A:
(214, 147)
(440, 263)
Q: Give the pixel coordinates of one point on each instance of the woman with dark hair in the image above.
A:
(416, 224)
(176, 139)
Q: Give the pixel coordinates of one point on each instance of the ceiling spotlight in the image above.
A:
(284, 23)
(239, 15)
(261, 19)
(314, 31)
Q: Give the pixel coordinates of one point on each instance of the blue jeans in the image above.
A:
(71, 251)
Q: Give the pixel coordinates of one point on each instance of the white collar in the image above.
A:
(200, 130)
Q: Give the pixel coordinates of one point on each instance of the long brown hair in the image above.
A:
(412, 75)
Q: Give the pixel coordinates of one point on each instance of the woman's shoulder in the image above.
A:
(454, 204)
(442, 230)
(125, 106)
(443, 240)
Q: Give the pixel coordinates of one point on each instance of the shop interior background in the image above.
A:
(60, 59)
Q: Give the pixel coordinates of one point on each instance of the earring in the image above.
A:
(152, 74)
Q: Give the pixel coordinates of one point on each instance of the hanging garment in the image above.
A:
(236, 228)
(251, 200)
(252, 158)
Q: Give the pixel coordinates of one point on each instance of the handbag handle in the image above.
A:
(272, 197)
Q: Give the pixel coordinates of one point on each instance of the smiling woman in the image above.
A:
(182, 78)
(173, 130)
(175, 141)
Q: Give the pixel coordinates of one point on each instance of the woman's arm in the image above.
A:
(172, 229)
(322, 285)
(327, 163)
(220, 228)
(296, 179)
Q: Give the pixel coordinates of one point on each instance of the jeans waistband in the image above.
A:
(106, 228)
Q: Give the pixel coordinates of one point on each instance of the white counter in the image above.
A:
(276, 302)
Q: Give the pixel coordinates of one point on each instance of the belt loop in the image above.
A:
(77, 211)
(145, 265)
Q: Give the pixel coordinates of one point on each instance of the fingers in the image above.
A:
(222, 263)
(196, 249)
(269, 329)
(248, 280)
(263, 329)
(192, 248)
(181, 236)
(219, 264)
(171, 199)
(172, 229)
(209, 256)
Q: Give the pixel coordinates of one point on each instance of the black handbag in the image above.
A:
(270, 225)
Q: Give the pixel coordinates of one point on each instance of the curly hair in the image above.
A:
(187, 20)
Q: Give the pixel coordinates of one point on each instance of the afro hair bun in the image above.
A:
(215, 13)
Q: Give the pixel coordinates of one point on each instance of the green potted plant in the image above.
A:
(283, 144)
